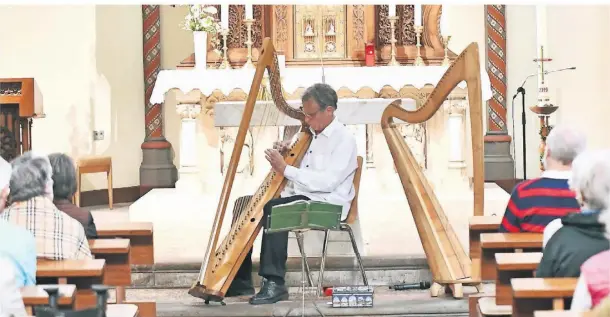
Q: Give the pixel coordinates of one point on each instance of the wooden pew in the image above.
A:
(116, 254)
(492, 243)
(122, 310)
(82, 273)
(35, 295)
(476, 226)
(532, 294)
(140, 235)
(513, 265)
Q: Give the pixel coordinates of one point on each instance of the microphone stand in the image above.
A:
(521, 91)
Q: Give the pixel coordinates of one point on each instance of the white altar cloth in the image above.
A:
(353, 78)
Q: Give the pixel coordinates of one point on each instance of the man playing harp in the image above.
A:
(326, 173)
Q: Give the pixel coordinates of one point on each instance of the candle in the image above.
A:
(281, 60)
(541, 34)
(418, 14)
(249, 12)
(224, 16)
(444, 22)
(392, 10)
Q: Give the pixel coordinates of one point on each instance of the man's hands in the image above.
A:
(276, 160)
(281, 146)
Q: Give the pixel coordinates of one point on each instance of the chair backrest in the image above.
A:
(352, 215)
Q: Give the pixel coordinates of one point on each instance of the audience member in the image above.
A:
(569, 241)
(58, 236)
(536, 202)
(16, 243)
(594, 282)
(17, 255)
(64, 187)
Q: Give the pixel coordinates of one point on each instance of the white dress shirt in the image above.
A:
(327, 170)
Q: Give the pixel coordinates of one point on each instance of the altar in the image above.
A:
(210, 102)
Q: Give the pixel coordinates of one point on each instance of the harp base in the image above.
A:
(198, 291)
(456, 287)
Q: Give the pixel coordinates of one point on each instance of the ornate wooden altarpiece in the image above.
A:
(344, 30)
(299, 31)
(20, 102)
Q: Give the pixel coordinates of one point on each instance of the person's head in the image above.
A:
(31, 177)
(319, 105)
(5, 179)
(64, 176)
(563, 144)
(590, 179)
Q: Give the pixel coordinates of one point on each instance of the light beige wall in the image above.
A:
(119, 108)
(87, 61)
(582, 95)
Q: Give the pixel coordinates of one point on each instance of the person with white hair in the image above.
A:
(593, 285)
(569, 241)
(58, 236)
(534, 203)
(17, 255)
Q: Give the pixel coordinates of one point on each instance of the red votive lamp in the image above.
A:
(369, 54)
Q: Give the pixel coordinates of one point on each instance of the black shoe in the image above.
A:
(270, 293)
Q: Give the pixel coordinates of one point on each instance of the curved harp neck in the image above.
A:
(266, 61)
(466, 67)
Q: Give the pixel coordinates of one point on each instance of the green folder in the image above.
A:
(303, 214)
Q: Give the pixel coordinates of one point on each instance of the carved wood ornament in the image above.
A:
(363, 24)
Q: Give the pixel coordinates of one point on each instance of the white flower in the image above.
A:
(210, 10)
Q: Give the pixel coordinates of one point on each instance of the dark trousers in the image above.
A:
(274, 249)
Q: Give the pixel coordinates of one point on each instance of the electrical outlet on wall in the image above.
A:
(98, 135)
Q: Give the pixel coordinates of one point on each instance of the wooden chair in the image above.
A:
(344, 227)
(94, 164)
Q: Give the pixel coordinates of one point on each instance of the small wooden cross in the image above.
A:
(541, 60)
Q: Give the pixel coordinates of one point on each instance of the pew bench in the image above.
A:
(532, 294)
(513, 265)
(492, 243)
(140, 235)
(81, 273)
(35, 295)
(122, 310)
(476, 226)
(118, 254)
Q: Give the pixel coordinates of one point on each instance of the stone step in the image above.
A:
(339, 271)
(177, 303)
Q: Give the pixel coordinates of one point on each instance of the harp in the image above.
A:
(222, 261)
(448, 262)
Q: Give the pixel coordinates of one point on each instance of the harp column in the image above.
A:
(188, 180)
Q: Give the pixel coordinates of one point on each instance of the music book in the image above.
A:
(303, 215)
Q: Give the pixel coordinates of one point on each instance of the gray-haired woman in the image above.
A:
(64, 187)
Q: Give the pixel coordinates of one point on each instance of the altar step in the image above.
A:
(412, 303)
(380, 270)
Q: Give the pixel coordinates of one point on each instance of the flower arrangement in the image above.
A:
(201, 19)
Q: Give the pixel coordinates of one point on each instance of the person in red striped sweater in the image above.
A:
(534, 203)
